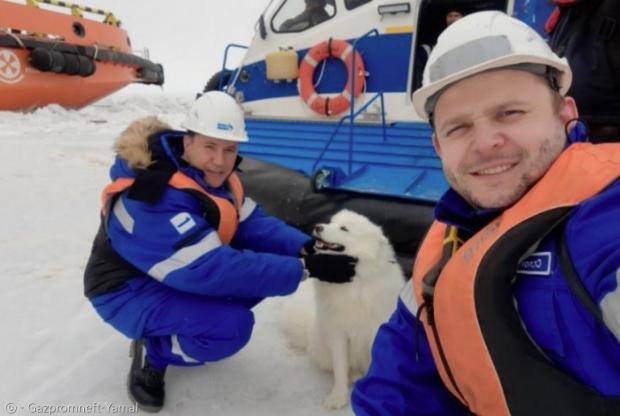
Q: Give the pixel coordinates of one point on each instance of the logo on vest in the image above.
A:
(479, 239)
(182, 222)
(538, 264)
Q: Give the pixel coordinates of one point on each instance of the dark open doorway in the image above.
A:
(433, 19)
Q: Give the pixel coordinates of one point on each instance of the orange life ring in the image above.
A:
(334, 48)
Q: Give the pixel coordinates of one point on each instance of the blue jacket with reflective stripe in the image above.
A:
(171, 242)
(566, 332)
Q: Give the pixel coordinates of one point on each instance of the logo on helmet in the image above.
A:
(224, 126)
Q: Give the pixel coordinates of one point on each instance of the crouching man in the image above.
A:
(182, 255)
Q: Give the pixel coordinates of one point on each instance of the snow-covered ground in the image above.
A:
(57, 355)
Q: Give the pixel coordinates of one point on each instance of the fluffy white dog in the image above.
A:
(338, 329)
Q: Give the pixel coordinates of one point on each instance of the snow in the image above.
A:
(57, 354)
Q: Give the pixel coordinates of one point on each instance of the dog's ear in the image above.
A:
(371, 247)
(381, 235)
(382, 246)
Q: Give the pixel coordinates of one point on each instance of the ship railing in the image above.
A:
(224, 68)
(77, 10)
(353, 114)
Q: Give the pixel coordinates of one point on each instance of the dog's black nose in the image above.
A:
(318, 228)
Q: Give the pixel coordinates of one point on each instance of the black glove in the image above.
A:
(308, 247)
(332, 268)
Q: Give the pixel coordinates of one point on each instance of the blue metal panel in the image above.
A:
(403, 165)
(534, 13)
(386, 59)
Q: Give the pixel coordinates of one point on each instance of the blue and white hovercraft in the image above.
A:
(326, 86)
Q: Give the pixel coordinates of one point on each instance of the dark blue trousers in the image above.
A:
(179, 328)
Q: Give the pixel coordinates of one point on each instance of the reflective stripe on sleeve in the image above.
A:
(610, 306)
(185, 256)
(247, 209)
(121, 213)
(406, 296)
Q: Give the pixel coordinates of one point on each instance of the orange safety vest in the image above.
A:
(483, 355)
(229, 212)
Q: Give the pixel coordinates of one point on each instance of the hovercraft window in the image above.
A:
(300, 15)
(352, 4)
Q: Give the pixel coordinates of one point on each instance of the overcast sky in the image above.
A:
(187, 36)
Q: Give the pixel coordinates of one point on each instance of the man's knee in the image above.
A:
(233, 334)
(244, 324)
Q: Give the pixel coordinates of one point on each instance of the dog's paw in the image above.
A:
(336, 399)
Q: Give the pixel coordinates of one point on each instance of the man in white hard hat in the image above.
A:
(514, 302)
(182, 255)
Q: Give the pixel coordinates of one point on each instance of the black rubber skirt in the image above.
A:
(288, 195)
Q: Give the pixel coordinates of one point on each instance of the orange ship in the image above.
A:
(48, 56)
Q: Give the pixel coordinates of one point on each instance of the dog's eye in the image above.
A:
(343, 228)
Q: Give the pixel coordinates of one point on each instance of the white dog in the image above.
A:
(338, 330)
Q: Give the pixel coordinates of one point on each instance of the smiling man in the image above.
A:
(514, 302)
(214, 157)
(494, 146)
(182, 255)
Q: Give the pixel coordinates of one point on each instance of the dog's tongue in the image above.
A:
(324, 245)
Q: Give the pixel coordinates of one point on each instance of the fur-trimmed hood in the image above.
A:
(132, 144)
(150, 149)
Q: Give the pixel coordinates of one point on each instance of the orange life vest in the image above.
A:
(483, 355)
(229, 212)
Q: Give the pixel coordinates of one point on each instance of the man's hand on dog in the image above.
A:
(331, 268)
(308, 247)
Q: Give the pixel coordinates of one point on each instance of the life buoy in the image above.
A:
(334, 48)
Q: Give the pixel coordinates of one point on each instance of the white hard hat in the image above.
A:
(480, 42)
(217, 114)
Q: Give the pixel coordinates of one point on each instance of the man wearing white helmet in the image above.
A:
(182, 255)
(514, 302)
